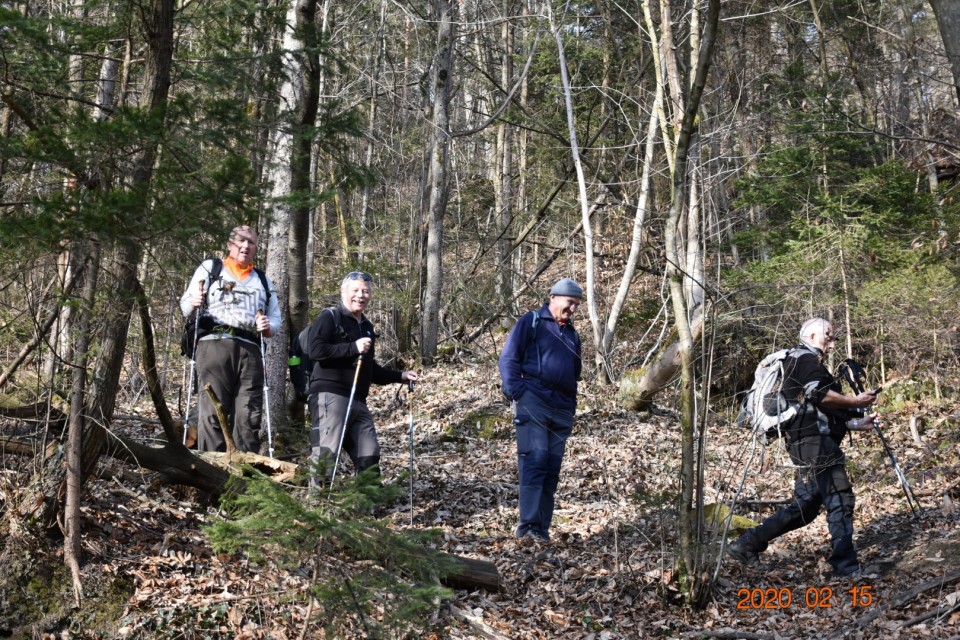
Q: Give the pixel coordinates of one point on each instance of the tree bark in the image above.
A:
(442, 87)
(77, 420)
(948, 19)
(691, 584)
(590, 289)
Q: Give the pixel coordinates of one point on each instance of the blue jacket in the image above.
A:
(546, 361)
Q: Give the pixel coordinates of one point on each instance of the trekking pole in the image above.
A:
(346, 419)
(855, 374)
(410, 403)
(266, 390)
(193, 365)
(901, 477)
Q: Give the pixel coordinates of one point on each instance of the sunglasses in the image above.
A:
(359, 275)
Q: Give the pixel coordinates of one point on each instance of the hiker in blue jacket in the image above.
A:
(540, 366)
(814, 438)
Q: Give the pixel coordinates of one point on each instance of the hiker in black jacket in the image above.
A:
(342, 347)
(814, 439)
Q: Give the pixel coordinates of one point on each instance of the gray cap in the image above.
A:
(566, 287)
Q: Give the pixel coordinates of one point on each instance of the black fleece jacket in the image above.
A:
(334, 354)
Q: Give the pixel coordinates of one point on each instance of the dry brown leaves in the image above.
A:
(609, 571)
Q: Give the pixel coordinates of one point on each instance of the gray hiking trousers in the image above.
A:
(359, 442)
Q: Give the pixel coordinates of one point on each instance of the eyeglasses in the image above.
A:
(359, 275)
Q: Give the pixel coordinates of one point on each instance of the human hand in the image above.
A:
(263, 323)
(363, 345)
(199, 298)
(865, 399)
(866, 423)
(409, 376)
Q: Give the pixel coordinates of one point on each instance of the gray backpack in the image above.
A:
(765, 410)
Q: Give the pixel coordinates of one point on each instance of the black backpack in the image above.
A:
(301, 366)
(189, 337)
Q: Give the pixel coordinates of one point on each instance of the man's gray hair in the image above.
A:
(241, 228)
(818, 325)
(356, 275)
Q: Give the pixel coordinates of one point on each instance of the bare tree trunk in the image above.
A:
(691, 583)
(74, 460)
(505, 197)
(636, 240)
(442, 86)
(948, 19)
(289, 175)
(588, 251)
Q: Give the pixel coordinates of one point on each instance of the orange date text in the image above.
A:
(810, 598)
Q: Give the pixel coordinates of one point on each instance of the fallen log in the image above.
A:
(470, 573)
(907, 596)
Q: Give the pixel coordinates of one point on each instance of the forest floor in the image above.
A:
(606, 574)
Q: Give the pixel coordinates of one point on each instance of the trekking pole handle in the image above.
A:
(202, 295)
(260, 314)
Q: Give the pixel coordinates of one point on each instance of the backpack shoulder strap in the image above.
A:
(264, 284)
(337, 325)
(532, 339)
(214, 273)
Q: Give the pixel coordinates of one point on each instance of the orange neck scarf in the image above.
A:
(240, 272)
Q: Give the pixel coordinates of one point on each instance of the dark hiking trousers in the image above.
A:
(542, 433)
(234, 370)
(820, 482)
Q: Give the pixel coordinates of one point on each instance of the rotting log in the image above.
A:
(638, 388)
(470, 573)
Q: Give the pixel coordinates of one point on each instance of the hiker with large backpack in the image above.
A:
(343, 351)
(539, 367)
(824, 416)
(238, 308)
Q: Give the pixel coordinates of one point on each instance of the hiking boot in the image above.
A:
(743, 555)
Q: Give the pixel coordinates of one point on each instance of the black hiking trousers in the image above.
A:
(821, 481)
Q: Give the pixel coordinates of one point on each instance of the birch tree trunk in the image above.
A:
(288, 171)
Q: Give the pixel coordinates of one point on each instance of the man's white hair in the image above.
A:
(814, 325)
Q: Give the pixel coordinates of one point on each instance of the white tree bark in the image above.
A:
(590, 289)
(287, 170)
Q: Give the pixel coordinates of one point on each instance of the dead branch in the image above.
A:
(481, 628)
(149, 357)
(222, 419)
(907, 596)
(38, 337)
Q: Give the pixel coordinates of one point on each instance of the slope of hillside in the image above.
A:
(607, 573)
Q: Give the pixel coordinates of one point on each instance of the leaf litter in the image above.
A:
(609, 571)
